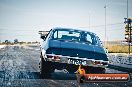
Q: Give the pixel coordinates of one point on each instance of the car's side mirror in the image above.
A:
(43, 37)
(43, 34)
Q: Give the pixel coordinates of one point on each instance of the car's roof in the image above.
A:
(60, 28)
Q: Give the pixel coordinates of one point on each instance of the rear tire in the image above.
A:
(80, 79)
(71, 68)
(95, 70)
(46, 68)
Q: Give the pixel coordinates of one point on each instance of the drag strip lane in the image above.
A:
(19, 67)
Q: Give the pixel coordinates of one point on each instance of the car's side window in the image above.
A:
(89, 38)
(55, 35)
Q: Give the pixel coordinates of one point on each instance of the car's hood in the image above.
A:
(77, 49)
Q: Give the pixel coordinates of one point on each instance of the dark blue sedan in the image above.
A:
(64, 48)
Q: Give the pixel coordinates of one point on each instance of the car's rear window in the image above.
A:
(76, 35)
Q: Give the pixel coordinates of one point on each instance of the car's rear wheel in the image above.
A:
(72, 68)
(80, 79)
(94, 70)
(46, 68)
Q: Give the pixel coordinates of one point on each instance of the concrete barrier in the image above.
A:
(121, 60)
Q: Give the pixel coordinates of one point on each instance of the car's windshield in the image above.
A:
(76, 35)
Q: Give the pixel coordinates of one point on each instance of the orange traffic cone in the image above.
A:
(81, 70)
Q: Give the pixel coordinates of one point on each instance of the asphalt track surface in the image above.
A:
(19, 67)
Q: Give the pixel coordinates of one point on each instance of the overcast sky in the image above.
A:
(22, 19)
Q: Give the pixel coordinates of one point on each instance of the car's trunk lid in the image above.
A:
(76, 49)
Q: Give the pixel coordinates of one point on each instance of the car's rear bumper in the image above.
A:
(76, 61)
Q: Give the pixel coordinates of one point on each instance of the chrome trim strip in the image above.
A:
(76, 58)
(89, 62)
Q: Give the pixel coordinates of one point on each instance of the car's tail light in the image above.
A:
(97, 62)
(56, 57)
(53, 57)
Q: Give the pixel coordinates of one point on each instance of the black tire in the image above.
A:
(95, 70)
(71, 68)
(100, 70)
(103, 70)
(80, 79)
(46, 68)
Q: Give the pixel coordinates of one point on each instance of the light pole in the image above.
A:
(89, 20)
(129, 44)
(127, 9)
(105, 24)
(128, 32)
